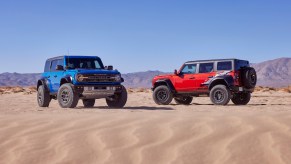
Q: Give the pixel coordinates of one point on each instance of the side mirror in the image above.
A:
(175, 72)
(110, 67)
(59, 68)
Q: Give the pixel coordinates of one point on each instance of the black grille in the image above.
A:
(98, 78)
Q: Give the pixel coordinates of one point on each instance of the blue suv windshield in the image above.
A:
(84, 63)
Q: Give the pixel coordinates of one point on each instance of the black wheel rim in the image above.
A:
(40, 97)
(184, 99)
(253, 78)
(242, 97)
(65, 96)
(162, 95)
(219, 96)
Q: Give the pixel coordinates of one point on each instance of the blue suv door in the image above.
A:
(56, 75)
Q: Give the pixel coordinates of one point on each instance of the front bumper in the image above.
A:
(97, 91)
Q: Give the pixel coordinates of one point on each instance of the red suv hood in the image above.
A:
(164, 76)
(161, 77)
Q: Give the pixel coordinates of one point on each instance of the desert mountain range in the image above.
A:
(272, 73)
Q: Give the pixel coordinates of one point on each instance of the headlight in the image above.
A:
(118, 78)
(80, 77)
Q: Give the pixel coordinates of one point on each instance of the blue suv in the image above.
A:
(70, 78)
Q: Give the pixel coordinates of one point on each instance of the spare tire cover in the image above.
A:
(249, 77)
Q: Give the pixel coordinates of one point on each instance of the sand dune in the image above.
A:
(144, 133)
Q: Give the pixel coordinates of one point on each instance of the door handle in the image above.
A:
(210, 76)
(48, 76)
(55, 76)
(191, 77)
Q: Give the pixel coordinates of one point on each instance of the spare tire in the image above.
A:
(249, 77)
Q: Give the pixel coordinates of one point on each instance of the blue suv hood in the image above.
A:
(94, 71)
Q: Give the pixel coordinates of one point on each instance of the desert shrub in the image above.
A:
(272, 89)
(32, 89)
(141, 90)
(6, 88)
(285, 89)
(259, 88)
(130, 90)
(17, 89)
(265, 89)
(288, 89)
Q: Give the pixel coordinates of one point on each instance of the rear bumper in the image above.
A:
(97, 91)
(237, 89)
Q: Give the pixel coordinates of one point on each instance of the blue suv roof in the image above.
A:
(66, 56)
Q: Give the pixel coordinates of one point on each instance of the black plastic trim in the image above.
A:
(43, 82)
(229, 81)
(167, 82)
(67, 79)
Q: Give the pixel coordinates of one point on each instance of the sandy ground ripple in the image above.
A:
(144, 133)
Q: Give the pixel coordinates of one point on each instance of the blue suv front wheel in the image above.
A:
(67, 98)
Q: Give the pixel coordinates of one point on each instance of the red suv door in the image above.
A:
(205, 72)
(186, 80)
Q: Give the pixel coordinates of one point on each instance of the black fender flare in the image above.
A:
(166, 82)
(66, 79)
(223, 79)
(43, 82)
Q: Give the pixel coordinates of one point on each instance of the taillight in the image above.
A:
(236, 76)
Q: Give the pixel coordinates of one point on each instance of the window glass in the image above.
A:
(206, 67)
(224, 66)
(189, 69)
(241, 63)
(61, 62)
(84, 63)
(47, 66)
(97, 64)
(55, 63)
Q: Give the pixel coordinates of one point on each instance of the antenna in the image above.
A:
(68, 52)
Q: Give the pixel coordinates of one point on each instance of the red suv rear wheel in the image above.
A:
(220, 95)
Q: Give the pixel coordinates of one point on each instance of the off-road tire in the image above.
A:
(241, 98)
(249, 77)
(119, 99)
(67, 98)
(89, 103)
(162, 95)
(43, 97)
(220, 95)
(186, 100)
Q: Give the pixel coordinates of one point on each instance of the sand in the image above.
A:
(143, 132)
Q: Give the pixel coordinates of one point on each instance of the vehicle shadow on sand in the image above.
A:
(130, 108)
(262, 104)
(189, 104)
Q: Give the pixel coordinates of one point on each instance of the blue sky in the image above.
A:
(142, 35)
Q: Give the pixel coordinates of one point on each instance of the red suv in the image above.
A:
(223, 80)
